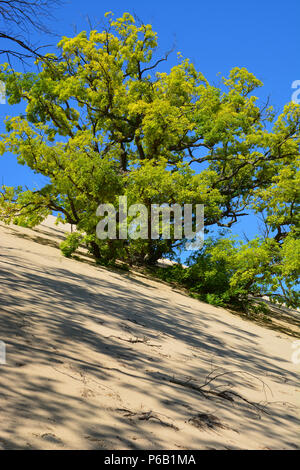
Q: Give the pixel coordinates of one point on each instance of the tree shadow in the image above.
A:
(110, 335)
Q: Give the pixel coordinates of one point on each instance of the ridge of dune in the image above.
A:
(97, 359)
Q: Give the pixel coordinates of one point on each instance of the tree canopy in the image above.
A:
(102, 120)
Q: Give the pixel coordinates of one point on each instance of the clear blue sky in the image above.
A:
(263, 36)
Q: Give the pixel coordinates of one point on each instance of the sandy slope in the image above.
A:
(102, 360)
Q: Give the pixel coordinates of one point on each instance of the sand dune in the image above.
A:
(98, 359)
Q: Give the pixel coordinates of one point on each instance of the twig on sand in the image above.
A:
(226, 394)
(145, 416)
(135, 340)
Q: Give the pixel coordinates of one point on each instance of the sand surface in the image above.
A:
(99, 359)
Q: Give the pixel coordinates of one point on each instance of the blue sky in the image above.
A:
(262, 36)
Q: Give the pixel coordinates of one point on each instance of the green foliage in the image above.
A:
(228, 273)
(70, 244)
(101, 122)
